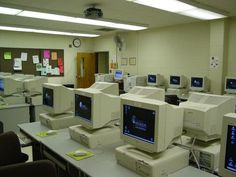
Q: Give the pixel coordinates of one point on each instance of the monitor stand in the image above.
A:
(13, 99)
(95, 138)
(152, 164)
(58, 121)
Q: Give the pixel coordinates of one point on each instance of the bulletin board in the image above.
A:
(39, 62)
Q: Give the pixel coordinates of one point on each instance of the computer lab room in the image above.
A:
(118, 88)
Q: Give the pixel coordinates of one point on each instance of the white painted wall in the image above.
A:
(106, 44)
(231, 69)
(33, 40)
(182, 49)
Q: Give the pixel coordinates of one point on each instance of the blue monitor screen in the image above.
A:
(83, 107)
(197, 82)
(48, 97)
(231, 84)
(1, 85)
(152, 78)
(118, 74)
(230, 155)
(175, 80)
(139, 123)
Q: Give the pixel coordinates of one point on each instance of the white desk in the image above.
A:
(102, 164)
(12, 115)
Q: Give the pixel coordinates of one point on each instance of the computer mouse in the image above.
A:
(51, 132)
(80, 153)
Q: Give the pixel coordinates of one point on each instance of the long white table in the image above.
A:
(102, 164)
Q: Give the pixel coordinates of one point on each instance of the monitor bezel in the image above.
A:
(202, 88)
(152, 83)
(159, 130)
(229, 119)
(91, 108)
(229, 90)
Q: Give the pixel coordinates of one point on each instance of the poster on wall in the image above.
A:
(39, 67)
(35, 59)
(7, 55)
(17, 64)
(24, 56)
(46, 54)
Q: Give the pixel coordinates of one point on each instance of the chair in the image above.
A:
(41, 168)
(10, 149)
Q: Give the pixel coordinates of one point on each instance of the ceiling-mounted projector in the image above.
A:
(93, 12)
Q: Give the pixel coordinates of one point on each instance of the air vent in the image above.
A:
(106, 29)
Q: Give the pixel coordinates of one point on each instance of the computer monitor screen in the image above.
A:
(139, 123)
(48, 96)
(94, 109)
(83, 107)
(174, 80)
(1, 85)
(230, 85)
(197, 82)
(230, 154)
(152, 78)
(118, 74)
(144, 123)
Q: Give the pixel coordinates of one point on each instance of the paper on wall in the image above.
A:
(38, 66)
(49, 68)
(35, 59)
(45, 61)
(43, 71)
(23, 56)
(46, 54)
(17, 64)
(55, 71)
(54, 55)
(7, 55)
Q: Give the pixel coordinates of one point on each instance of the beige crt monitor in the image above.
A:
(227, 167)
(57, 98)
(35, 85)
(10, 86)
(203, 115)
(94, 109)
(177, 81)
(155, 80)
(106, 87)
(150, 125)
(199, 83)
(132, 81)
(146, 92)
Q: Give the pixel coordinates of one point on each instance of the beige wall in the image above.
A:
(32, 40)
(231, 67)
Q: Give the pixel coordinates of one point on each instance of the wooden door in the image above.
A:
(85, 69)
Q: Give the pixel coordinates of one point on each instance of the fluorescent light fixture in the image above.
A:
(181, 8)
(9, 11)
(202, 14)
(167, 5)
(54, 17)
(7, 28)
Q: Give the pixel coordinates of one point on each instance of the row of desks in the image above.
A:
(103, 163)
